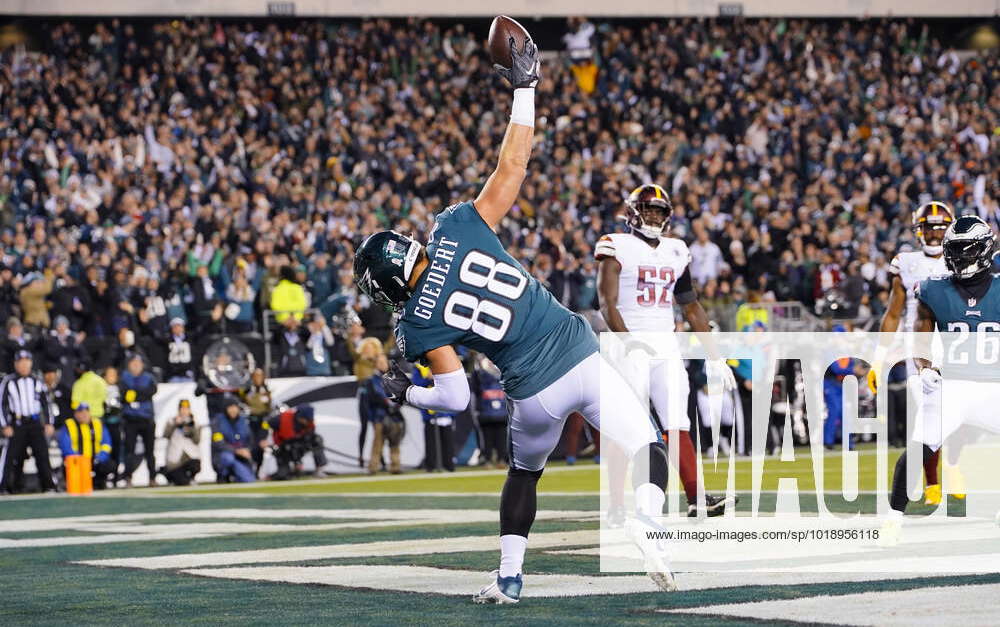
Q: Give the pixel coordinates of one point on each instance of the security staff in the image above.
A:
(85, 435)
(25, 421)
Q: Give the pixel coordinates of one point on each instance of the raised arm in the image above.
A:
(501, 189)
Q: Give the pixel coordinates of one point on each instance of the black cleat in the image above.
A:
(714, 506)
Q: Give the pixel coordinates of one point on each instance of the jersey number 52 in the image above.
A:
(647, 284)
(486, 317)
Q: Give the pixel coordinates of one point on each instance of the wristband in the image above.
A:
(523, 110)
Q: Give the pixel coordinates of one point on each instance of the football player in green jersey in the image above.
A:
(965, 304)
(463, 288)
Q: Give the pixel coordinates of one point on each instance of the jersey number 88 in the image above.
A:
(485, 317)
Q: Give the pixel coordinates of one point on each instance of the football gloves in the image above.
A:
(718, 368)
(525, 67)
(396, 383)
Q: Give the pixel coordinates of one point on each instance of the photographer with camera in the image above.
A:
(183, 452)
(231, 442)
(294, 436)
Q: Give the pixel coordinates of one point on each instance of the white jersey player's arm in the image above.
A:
(503, 186)
(608, 272)
(451, 388)
(897, 304)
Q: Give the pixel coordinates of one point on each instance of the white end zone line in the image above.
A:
(930, 606)
(334, 551)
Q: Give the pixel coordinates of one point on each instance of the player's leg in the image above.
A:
(574, 427)
(929, 430)
(534, 429)
(668, 391)
(630, 427)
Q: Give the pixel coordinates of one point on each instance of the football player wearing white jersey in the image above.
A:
(909, 269)
(641, 275)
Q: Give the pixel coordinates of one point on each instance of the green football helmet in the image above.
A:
(383, 265)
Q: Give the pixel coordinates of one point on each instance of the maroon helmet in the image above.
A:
(649, 210)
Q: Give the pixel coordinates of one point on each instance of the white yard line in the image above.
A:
(931, 606)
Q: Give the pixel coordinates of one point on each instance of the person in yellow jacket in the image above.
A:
(288, 297)
(92, 389)
(85, 435)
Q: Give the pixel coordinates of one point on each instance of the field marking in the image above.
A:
(222, 522)
(416, 476)
(931, 606)
(334, 551)
(427, 580)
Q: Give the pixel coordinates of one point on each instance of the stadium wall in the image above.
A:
(536, 8)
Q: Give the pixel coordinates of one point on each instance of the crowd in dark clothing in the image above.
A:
(171, 171)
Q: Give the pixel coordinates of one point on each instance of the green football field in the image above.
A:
(401, 550)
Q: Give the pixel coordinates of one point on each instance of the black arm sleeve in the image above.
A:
(684, 290)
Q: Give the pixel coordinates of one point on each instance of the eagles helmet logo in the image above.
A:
(968, 248)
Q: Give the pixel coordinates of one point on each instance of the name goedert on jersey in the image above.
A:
(437, 274)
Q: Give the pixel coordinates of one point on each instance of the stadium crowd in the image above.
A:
(168, 180)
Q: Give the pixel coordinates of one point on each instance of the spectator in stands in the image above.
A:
(26, 422)
(83, 434)
(706, 257)
(183, 436)
(61, 349)
(57, 393)
(17, 340)
(294, 436)
(439, 436)
(290, 347)
(260, 403)
(35, 287)
(288, 300)
(138, 388)
(319, 344)
(240, 295)
(321, 281)
(491, 412)
(388, 426)
(180, 354)
(231, 442)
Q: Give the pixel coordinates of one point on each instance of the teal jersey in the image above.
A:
(474, 294)
(972, 351)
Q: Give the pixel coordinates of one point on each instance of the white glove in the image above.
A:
(718, 368)
(930, 380)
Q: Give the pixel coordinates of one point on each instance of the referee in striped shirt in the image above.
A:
(25, 420)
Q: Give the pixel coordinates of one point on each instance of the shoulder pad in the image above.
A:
(895, 266)
(605, 247)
